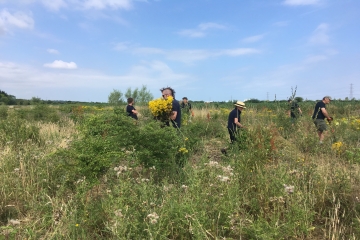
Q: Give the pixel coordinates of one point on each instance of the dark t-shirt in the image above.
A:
(235, 113)
(318, 114)
(294, 109)
(176, 107)
(129, 109)
(186, 107)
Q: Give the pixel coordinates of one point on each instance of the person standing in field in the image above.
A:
(186, 108)
(234, 120)
(130, 109)
(319, 115)
(175, 116)
(294, 110)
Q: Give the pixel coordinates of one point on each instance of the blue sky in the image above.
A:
(212, 50)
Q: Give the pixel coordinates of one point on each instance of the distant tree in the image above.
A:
(299, 99)
(128, 93)
(35, 101)
(115, 97)
(253, 100)
(140, 96)
(144, 95)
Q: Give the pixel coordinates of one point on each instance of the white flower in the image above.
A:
(14, 222)
(16, 169)
(118, 213)
(288, 188)
(184, 187)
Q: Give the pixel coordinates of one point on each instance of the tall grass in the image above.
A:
(278, 184)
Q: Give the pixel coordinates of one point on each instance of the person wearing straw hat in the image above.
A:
(319, 116)
(234, 122)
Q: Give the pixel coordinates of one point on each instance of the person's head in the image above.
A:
(289, 101)
(168, 91)
(239, 105)
(185, 99)
(130, 100)
(326, 99)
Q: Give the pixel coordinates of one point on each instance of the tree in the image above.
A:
(140, 96)
(35, 100)
(299, 99)
(115, 97)
(144, 95)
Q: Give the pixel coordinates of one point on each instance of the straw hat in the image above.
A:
(240, 104)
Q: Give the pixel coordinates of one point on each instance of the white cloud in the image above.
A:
(253, 38)
(9, 21)
(320, 35)
(52, 51)
(281, 24)
(27, 81)
(201, 30)
(315, 58)
(301, 2)
(54, 4)
(61, 65)
(185, 55)
(102, 4)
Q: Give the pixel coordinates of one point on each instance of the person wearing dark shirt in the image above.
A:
(319, 116)
(186, 108)
(130, 109)
(175, 116)
(234, 120)
(294, 110)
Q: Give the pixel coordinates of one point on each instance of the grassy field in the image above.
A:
(83, 172)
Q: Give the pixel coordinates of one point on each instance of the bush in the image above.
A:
(14, 132)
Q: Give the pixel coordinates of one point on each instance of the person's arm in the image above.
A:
(237, 123)
(134, 111)
(323, 110)
(300, 111)
(173, 115)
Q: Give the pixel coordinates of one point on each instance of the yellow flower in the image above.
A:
(161, 108)
(76, 225)
(183, 150)
(337, 147)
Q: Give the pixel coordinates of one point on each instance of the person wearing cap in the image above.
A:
(319, 116)
(234, 120)
(186, 108)
(294, 110)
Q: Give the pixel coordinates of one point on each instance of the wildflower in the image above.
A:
(14, 222)
(228, 170)
(184, 187)
(145, 180)
(186, 139)
(223, 178)
(161, 108)
(337, 147)
(153, 217)
(16, 169)
(76, 225)
(212, 164)
(118, 213)
(289, 188)
(183, 150)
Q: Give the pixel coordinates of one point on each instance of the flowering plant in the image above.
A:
(161, 108)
